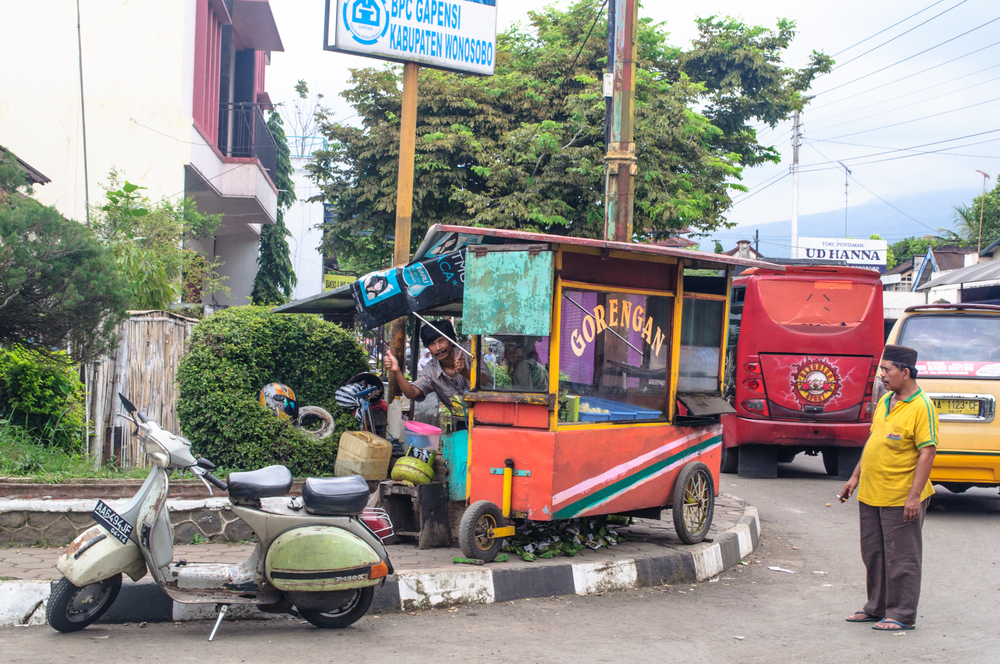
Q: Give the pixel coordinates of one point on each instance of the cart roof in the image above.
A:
(442, 238)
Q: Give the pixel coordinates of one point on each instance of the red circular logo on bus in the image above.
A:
(816, 382)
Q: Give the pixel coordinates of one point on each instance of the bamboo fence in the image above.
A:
(144, 368)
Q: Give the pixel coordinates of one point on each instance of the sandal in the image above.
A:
(865, 617)
(900, 627)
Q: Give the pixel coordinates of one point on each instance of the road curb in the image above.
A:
(23, 602)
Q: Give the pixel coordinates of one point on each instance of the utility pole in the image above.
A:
(620, 160)
(83, 116)
(404, 205)
(982, 206)
(847, 172)
(756, 241)
(795, 183)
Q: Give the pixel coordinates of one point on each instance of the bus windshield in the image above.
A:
(816, 302)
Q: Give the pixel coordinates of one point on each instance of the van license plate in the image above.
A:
(112, 521)
(957, 406)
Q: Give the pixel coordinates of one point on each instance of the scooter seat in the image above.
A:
(263, 483)
(335, 495)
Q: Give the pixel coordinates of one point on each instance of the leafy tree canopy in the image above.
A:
(967, 218)
(525, 148)
(59, 286)
(147, 240)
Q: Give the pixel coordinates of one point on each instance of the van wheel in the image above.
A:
(730, 459)
(71, 608)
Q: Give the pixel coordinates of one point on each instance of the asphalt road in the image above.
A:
(749, 614)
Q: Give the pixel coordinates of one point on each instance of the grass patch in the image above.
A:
(21, 455)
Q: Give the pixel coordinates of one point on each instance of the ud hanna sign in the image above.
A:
(458, 35)
(857, 253)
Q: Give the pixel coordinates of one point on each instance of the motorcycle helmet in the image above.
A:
(281, 399)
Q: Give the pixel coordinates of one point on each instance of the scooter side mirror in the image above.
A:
(129, 406)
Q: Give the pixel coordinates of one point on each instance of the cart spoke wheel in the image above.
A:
(694, 502)
(474, 531)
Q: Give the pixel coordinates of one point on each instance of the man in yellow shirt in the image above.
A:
(893, 492)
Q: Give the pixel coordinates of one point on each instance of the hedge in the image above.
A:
(44, 395)
(232, 355)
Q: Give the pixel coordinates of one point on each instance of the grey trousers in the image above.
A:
(892, 550)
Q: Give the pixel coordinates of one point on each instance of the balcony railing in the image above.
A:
(244, 133)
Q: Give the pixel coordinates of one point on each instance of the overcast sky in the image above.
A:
(861, 116)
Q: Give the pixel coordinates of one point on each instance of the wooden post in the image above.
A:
(404, 204)
(620, 157)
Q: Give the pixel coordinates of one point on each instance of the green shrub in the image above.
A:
(234, 353)
(43, 395)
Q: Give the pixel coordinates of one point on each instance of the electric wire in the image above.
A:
(874, 48)
(925, 117)
(926, 50)
(905, 106)
(887, 29)
(903, 78)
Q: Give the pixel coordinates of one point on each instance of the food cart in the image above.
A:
(606, 396)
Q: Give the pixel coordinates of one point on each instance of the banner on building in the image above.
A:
(331, 281)
(456, 35)
(386, 295)
(869, 254)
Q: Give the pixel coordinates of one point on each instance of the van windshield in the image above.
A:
(957, 345)
(818, 303)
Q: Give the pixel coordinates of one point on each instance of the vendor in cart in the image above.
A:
(447, 374)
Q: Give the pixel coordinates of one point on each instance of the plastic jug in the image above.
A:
(363, 453)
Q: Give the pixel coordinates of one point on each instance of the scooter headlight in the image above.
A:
(156, 452)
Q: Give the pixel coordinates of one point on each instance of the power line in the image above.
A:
(936, 85)
(851, 176)
(933, 115)
(899, 35)
(903, 78)
(886, 29)
(743, 198)
(926, 50)
(923, 145)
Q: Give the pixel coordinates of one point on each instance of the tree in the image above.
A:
(59, 286)
(148, 239)
(524, 148)
(967, 219)
(275, 275)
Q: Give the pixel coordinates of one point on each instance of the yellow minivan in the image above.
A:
(958, 366)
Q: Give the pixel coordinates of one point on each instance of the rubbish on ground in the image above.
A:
(739, 638)
(817, 572)
(502, 558)
(458, 560)
(537, 539)
(782, 569)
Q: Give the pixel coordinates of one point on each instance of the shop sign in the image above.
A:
(856, 253)
(620, 316)
(457, 35)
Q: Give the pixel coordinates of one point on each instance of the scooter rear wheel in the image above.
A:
(347, 614)
(71, 608)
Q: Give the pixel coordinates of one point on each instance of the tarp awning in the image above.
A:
(442, 241)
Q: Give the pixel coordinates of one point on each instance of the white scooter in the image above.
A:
(317, 556)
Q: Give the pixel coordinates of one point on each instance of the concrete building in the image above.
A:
(174, 93)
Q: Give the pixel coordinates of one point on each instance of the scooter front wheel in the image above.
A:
(71, 608)
(355, 606)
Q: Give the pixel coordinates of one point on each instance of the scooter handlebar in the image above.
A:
(216, 481)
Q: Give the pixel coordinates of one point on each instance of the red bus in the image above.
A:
(802, 357)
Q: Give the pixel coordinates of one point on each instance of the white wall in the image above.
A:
(301, 220)
(135, 73)
(894, 302)
(240, 255)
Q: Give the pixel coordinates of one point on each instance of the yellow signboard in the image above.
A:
(331, 281)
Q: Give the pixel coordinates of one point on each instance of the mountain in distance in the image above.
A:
(935, 209)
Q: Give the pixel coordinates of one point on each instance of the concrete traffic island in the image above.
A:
(428, 578)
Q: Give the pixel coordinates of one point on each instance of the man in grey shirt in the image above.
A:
(447, 374)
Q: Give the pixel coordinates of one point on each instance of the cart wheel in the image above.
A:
(478, 520)
(694, 502)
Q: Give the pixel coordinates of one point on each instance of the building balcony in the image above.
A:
(234, 174)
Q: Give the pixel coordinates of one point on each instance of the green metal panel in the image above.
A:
(508, 292)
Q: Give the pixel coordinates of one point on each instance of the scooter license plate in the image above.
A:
(112, 521)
